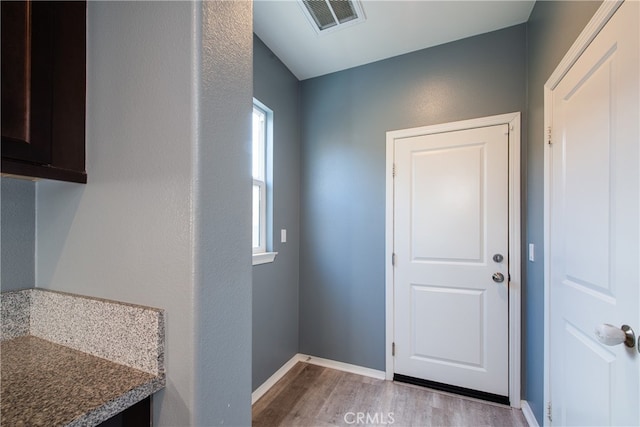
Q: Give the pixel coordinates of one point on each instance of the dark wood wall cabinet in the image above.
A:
(44, 89)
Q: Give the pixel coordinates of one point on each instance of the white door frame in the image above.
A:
(597, 22)
(513, 120)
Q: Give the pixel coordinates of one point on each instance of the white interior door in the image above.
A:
(451, 319)
(594, 229)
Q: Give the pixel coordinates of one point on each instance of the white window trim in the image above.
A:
(260, 254)
(264, 257)
(263, 217)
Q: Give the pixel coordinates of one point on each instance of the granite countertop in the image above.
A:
(47, 384)
(73, 360)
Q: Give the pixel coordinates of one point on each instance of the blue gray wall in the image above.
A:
(551, 30)
(18, 228)
(275, 285)
(345, 116)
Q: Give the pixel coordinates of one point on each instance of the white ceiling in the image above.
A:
(392, 28)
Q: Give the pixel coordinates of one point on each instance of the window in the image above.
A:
(261, 125)
(259, 180)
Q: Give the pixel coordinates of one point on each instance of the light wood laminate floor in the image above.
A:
(310, 395)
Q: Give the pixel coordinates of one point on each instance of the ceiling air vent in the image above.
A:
(330, 15)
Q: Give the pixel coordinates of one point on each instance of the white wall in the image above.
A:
(137, 232)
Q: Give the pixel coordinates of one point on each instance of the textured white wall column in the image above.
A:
(223, 216)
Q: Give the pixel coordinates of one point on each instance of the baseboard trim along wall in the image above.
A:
(346, 367)
(528, 414)
(354, 369)
(273, 379)
(326, 363)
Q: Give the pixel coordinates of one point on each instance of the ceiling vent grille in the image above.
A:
(330, 15)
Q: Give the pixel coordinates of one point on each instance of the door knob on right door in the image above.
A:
(611, 335)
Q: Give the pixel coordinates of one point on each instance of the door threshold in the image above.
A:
(482, 395)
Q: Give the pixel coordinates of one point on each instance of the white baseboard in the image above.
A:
(346, 367)
(273, 379)
(326, 363)
(528, 414)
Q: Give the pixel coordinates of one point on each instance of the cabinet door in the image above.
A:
(69, 86)
(43, 89)
(27, 56)
(16, 69)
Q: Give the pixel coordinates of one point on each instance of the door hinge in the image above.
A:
(393, 349)
(549, 411)
(393, 259)
(393, 170)
(549, 135)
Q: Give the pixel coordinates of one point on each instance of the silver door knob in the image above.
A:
(611, 335)
(498, 277)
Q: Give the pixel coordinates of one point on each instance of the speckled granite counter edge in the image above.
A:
(118, 405)
(46, 384)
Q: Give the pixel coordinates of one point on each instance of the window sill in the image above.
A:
(264, 257)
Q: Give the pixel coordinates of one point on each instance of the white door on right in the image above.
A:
(595, 229)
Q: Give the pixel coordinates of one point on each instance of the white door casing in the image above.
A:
(593, 225)
(445, 281)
